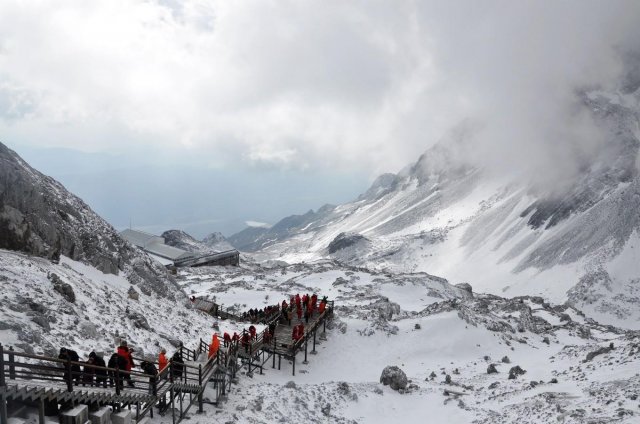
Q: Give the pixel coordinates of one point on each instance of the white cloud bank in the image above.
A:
(302, 84)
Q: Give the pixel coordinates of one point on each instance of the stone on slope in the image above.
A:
(394, 377)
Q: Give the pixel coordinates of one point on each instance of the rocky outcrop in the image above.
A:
(344, 240)
(40, 217)
(394, 377)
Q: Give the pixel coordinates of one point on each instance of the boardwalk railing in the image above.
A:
(26, 376)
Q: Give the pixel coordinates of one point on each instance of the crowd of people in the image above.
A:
(97, 372)
(301, 306)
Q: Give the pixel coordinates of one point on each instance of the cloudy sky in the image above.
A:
(202, 115)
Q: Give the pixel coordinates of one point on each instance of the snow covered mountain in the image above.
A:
(214, 242)
(39, 216)
(452, 217)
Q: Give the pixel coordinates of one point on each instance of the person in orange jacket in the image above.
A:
(214, 346)
(163, 362)
(321, 308)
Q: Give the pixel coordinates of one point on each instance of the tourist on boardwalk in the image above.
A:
(227, 339)
(150, 369)
(163, 362)
(235, 337)
(321, 308)
(307, 314)
(71, 355)
(116, 362)
(246, 341)
(214, 346)
(88, 371)
(266, 336)
(177, 366)
(294, 333)
(125, 352)
(300, 332)
(299, 313)
(290, 314)
(252, 332)
(100, 373)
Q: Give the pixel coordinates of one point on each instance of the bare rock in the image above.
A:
(394, 377)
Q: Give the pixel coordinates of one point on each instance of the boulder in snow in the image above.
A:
(394, 377)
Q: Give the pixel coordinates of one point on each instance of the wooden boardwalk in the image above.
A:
(41, 380)
(282, 344)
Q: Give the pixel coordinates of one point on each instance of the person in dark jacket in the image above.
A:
(177, 366)
(117, 361)
(101, 374)
(88, 371)
(71, 355)
(150, 369)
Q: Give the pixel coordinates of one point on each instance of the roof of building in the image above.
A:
(140, 238)
(168, 252)
(154, 245)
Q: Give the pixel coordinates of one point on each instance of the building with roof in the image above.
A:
(170, 256)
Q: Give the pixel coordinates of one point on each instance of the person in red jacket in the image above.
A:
(300, 331)
(299, 312)
(163, 362)
(321, 308)
(294, 333)
(252, 332)
(245, 341)
(227, 339)
(124, 352)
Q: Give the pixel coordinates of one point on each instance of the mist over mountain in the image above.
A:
(566, 233)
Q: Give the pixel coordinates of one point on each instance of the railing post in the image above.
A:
(305, 351)
(69, 375)
(12, 364)
(118, 380)
(2, 381)
(173, 408)
(201, 388)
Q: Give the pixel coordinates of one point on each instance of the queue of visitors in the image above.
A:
(97, 372)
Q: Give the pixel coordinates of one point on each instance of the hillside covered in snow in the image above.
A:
(575, 239)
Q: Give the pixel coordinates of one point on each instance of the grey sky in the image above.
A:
(306, 89)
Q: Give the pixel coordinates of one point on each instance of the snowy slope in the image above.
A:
(213, 243)
(450, 217)
(40, 217)
(37, 318)
(457, 335)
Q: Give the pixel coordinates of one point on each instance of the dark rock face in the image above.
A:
(65, 290)
(466, 287)
(514, 372)
(597, 352)
(491, 369)
(394, 377)
(344, 240)
(39, 216)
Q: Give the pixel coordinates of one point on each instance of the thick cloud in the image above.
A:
(308, 84)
